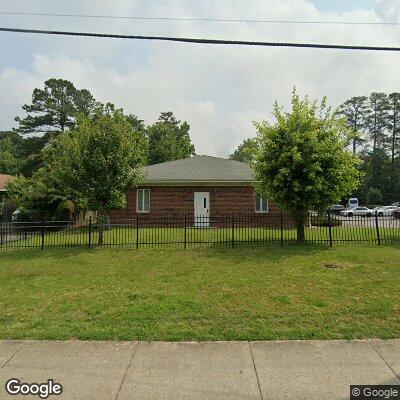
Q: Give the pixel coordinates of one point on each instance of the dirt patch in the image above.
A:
(337, 265)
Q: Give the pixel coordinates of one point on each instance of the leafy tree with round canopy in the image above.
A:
(303, 163)
(96, 163)
(90, 167)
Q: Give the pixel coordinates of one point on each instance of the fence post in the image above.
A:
(185, 234)
(1, 233)
(330, 228)
(233, 230)
(137, 231)
(378, 236)
(281, 228)
(42, 234)
(90, 232)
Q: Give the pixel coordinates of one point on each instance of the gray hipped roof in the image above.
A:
(199, 169)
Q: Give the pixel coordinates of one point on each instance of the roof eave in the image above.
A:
(198, 183)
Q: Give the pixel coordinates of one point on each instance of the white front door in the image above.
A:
(201, 209)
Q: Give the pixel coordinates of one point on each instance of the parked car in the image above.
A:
(358, 211)
(15, 215)
(336, 209)
(385, 211)
(352, 203)
(396, 213)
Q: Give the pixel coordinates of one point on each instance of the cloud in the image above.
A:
(218, 90)
(15, 89)
(388, 10)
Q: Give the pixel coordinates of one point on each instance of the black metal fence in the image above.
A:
(189, 230)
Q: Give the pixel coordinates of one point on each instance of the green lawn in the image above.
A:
(208, 293)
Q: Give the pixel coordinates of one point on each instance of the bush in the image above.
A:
(7, 208)
(323, 220)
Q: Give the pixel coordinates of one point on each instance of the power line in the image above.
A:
(257, 21)
(204, 41)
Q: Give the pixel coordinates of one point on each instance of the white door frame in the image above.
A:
(201, 209)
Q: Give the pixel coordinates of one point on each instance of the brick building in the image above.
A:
(201, 187)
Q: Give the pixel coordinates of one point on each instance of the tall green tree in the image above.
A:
(30, 152)
(90, 167)
(27, 150)
(55, 107)
(38, 198)
(303, 162)
(394, 126)
(377, 122)
(371, 117)
(141, 137)
(137, 123)
(246, 152)
(354, 110)
(374, 196)
(394, 140)
(9, 163)
(96, 163)
(11, 135)
(169, 139)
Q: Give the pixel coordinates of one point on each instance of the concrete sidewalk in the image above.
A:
(205, 370)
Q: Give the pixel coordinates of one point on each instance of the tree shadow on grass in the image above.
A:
(239, 253)
(260, 252)
(34, 254)
(271, 252)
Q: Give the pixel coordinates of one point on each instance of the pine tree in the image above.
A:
(377, 122)
(394, 125)
(55, 108)
(354, 110)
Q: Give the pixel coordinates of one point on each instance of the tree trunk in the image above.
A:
(394, 139)
(300, 219)
(103, 224)
(355, 132)
(375, 173)
(101, 233)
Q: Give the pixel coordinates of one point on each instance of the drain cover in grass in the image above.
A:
(330, 266)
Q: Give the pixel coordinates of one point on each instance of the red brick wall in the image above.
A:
(179, 200)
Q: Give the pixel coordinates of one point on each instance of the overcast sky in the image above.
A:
(218, 90)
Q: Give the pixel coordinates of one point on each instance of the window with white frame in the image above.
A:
(143, 200)
(260, 204)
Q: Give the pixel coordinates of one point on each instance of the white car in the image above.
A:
(352, 203)
(358, 211)
(388, 210)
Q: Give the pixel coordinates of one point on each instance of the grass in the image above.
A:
(208, 293)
